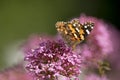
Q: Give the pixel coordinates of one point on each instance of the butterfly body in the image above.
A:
(73, 31)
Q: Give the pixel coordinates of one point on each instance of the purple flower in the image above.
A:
(95, 77)
(102, 44)
(114, 58)
(15, 73)
(99, 43)
(50, 59)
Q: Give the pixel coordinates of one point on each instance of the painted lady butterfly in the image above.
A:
(73, 31)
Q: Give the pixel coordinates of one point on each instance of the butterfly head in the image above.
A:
(60, 26)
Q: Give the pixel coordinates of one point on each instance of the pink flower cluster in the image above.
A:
(98, 44)
(51, 59)
(15, 73)
(95, 77)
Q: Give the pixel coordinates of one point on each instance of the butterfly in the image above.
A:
(73, 31)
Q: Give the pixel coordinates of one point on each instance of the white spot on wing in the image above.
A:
(92, 27)
(85, 26)
(77, 29)
(75, 35)
(88, 32)
(74, 24)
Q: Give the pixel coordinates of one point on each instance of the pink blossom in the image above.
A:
(102, 44)
(99, 43)
(15, 73)
(114, 58)
(95, 77)
(52, 58)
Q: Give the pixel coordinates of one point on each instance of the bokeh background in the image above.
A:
(21, 18)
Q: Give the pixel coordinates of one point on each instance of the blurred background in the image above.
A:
(21, 18)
